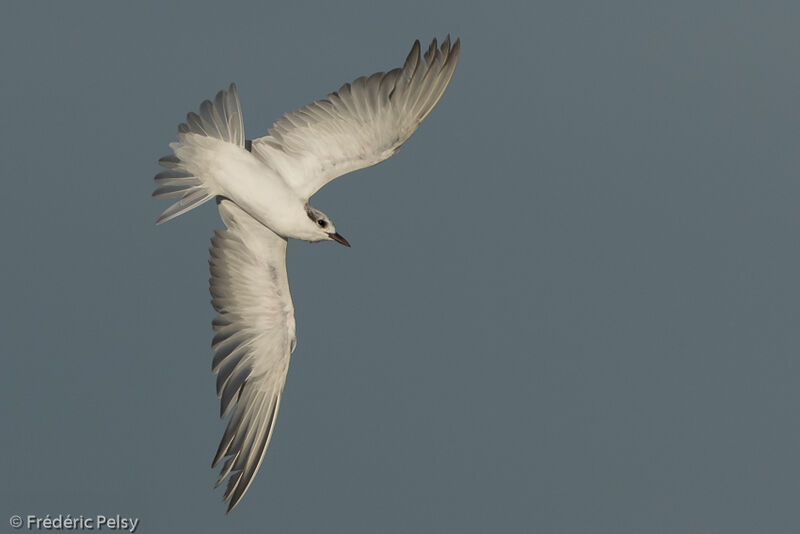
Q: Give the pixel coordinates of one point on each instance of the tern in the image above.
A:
(262, 188)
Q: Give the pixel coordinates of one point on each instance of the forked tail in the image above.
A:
(198, 138)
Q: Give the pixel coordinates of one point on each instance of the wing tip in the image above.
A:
(413, 55)
(433, 49)
(243, 463)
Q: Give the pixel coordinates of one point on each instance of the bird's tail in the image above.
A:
(199, 142)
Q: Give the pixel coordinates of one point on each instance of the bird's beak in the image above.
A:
(339, 239)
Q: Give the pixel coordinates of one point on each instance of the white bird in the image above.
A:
(262, 189)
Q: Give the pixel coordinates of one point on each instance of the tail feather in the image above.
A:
(221, 120)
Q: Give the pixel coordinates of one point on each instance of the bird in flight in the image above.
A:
(262, 188)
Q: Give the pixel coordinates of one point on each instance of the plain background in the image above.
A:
(571, 304)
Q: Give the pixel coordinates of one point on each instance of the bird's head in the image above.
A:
(323, 228)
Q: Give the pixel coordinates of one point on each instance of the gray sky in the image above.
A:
(571, 304)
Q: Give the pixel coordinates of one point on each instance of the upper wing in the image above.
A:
(361, 124)
(255, 335)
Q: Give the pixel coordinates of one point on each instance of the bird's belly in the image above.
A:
(260, 192)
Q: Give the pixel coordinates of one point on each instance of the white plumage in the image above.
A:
(262, 189)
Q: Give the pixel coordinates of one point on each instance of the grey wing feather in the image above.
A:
(361, 124)
(254, 337)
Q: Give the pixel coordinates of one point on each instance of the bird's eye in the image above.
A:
(322, 224)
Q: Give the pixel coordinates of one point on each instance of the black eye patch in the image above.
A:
(322, 223)
(310, 213)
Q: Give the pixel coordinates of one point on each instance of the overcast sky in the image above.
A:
(571, 304)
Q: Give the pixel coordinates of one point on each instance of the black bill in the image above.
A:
(339, 239)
